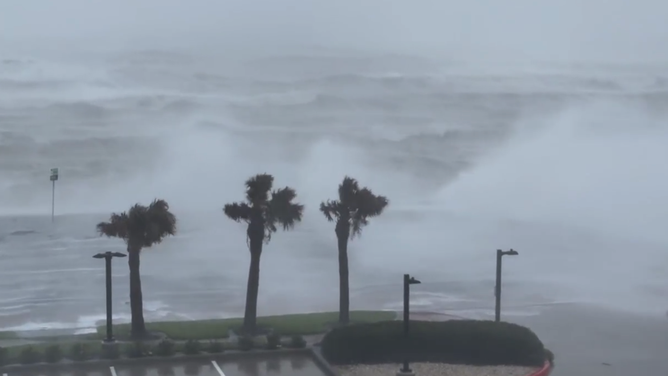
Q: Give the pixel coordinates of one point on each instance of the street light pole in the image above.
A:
(497, 288)
(408, 280)
(107, 256)
(53, 178)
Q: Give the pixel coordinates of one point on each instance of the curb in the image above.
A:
(544, 371)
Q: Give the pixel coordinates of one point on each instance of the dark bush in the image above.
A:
(549, 356)
(192, 347)
(29, 355)
(215, 347)
(455, 341)
(165, 348)
(246, 343)
(273, 341)
(110, 351)
(4, 356)
(53, 354)
(80, 352)
(138, 350)
(297, 342)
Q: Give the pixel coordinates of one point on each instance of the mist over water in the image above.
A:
(477, 146)
(589, 188)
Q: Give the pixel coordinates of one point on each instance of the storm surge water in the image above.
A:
(581, 193)
(560, 163)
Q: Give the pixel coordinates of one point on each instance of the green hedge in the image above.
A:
(455, 341)
(94, 350)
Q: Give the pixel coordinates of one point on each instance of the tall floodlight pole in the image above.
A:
(54, 178)
(497, 288)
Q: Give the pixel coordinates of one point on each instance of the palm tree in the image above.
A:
(351, 212)
(262, 211)
(140, 227)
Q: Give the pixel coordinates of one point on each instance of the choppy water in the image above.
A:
(563, 163)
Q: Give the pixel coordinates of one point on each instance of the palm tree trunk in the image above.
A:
(342, 233)
(136, 300)
(250, 314)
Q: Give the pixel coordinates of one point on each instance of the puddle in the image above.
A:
(168, 368)
(294, 365)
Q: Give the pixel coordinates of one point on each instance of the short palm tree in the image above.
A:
(140, 227)
(351, 212)
(263, 210)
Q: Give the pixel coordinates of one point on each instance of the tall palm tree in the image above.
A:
(140, 227)
(263, 210)
(351, 212)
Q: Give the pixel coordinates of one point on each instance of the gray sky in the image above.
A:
(510, 29)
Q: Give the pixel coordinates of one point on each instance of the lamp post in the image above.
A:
(408, 280)
(497, 289)
(107, 256)
(53, 178)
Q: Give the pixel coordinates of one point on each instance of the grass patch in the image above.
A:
(8, 335)
(296, 324)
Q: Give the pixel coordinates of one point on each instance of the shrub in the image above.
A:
(53, 354)
(110, 351)
(273, 341)
(245, 343)
(192, 347)
(29, 355)
(165, 348)
(215, 347)
(138, 350)
(80, 352)
(549, 356)
(455, 341)
(297, 342)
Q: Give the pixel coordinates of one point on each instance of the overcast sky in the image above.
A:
(557, 29)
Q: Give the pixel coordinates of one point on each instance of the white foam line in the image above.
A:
(113, 370)
(217, 367)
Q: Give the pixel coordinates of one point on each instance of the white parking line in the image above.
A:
(113, 370)
(4, 374)
(217, 367)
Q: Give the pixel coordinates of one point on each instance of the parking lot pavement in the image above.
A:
(155, 367)
(62, 371)
(293, 365)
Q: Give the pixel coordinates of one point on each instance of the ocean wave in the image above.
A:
(14, 84)
(389, 80)
(152, 57)
(15, 138)
(75, 109)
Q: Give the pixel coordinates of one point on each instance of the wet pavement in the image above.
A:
(591, 341)
(294, 365)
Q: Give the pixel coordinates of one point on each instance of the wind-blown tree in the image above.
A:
(351, 212)
(140, 227)
(263, 211)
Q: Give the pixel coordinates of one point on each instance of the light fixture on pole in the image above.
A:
(107, 256)
(497, 288)
(53, 178)
(408, 280)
